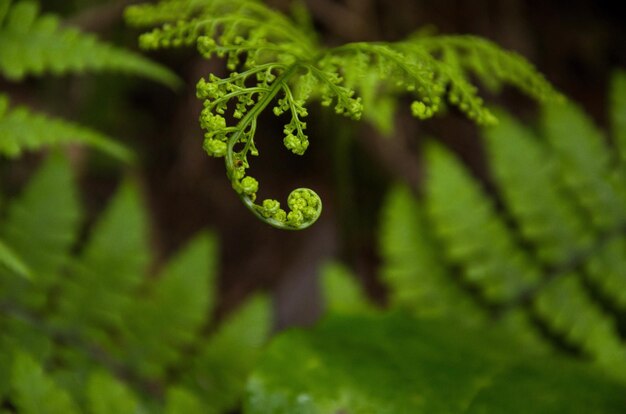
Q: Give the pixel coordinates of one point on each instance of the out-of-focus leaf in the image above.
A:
(395, 364)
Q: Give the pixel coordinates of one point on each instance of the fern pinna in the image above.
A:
(87, 331)
(275, 63)
(551, 263)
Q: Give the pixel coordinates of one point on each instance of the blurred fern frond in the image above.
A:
(34, 44)
(23, 130)
(89, 331)
(547, 259)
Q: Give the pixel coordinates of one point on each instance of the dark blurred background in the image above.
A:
(576, 44)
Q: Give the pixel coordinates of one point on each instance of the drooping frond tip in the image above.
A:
(273, 61)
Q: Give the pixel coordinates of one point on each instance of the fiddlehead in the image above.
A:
(272, 59)
(220, 141)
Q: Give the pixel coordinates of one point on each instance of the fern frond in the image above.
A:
(480, 242)
(219, 370)
(492, 65)
(109, 268)
(23, 130)
(585, 164)
(566, 307)
(31, 44)
(270, 59)
(565, 271)
(420, 277)
(154, 339)
(413, 270)
(41, 226)
(546, 213)
(550, 217)
(110, 343)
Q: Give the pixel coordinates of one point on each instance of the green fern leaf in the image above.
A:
(23, 130)
(33, 44)
(154, 338)
(419, 280)
(35, 392)
(547, 214)
(564, 272)
(106, 395)
(182, 401)
(565, 305)
(218, 372)
(110, 267)
(274, 62)
(479, 242)
(341, 292)
(585, 163)
(41, 227)
(43, 222)
(550, 217)
(492, 65)
(412, 268)
(112, 344)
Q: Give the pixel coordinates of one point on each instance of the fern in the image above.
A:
(89, 332)
(551, 260)
(274, 63)
(341, 292)
(49, 203)
(22, 130)
(34, 44)
(31, 44)
(35, 391)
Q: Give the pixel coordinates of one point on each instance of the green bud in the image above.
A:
(270, 207)
(215, 147)
(249, 185)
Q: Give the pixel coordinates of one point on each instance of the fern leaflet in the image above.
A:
(23, 130)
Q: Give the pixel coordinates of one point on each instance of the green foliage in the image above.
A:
(35, 392)
(33, 44)
(23, 130)
(272, 61)
(90, 332)
(340, 290)
(395, 364)
(547, 261)
(49, 202)
(12, 261)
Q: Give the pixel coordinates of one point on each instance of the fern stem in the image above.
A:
(248, 123)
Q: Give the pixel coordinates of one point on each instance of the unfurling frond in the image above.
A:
(274, 63)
